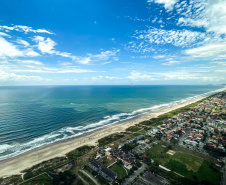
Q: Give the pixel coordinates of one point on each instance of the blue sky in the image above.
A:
(105, 42)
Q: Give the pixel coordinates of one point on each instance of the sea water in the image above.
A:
(35, 116)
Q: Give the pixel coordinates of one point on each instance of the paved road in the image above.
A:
(131, 178)
(83, 180)
(90, 176)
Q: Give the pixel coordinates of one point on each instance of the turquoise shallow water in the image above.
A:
(31, 117)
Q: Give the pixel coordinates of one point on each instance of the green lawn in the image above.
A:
(158, 154)
(208, 174)
(106, 162)
(120, 171)
(180, 168)
(186, 163)
(192, 162)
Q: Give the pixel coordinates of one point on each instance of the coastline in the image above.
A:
(15, 165)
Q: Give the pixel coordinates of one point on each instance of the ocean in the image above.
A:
(35, 116)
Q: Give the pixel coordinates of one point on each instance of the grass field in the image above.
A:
(120, 171)
(180, 168)
(192, 163)
(158, 153)
(186, 163)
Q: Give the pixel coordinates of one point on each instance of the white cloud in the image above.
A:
(25, 29)
(65, 63)
(171, 62)
(104, 55)
(209, 14)
(8, 49)
(112, 78)
(180, 38)
(159, 56)
(168, 4)
(213, 50)
(194, 75)
(137, 76)
(45, 45)
(4, 34)
(84, 60)
(7, 77)
(220, 63)
(35, 62)
(22, 42)
(94, 78)
(65, 54)
(31, 53)
(54, 70)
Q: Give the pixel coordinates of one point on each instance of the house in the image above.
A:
(126, 158)
(103, 171)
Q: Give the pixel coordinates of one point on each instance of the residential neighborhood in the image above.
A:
(201, 129)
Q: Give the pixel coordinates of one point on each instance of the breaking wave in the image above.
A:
(8, 151)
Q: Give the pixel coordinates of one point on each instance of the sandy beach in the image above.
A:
(15, 165)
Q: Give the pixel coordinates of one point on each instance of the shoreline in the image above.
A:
(15, 165)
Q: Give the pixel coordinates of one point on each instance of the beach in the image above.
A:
(16, 164)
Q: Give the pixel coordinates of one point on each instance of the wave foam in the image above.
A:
(15, 149)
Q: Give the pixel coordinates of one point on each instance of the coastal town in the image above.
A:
(184, 146)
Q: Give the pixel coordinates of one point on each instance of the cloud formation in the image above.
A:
(24, 29)
(168, 4)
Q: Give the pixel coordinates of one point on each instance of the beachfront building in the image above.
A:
(127, 159)
(103, 171)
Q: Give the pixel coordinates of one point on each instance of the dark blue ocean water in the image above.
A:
(36, 116)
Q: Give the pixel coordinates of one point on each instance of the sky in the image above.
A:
(105, 42)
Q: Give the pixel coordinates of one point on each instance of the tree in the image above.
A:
(64, 178)
(119, 162)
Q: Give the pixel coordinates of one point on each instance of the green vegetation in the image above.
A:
(133, 129)
(109, 139)
(196, 168)
(120, 171)
(180, 110)
(79, 152)
(102, 180)
(222, 125)
(179, 168)
(87, 179)
(43, 167)
(158, 153)
(192, 162)
(127, 147)
(208, 173)
(66, 178)
(106, 162)
(15, 179)
(41, 179)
